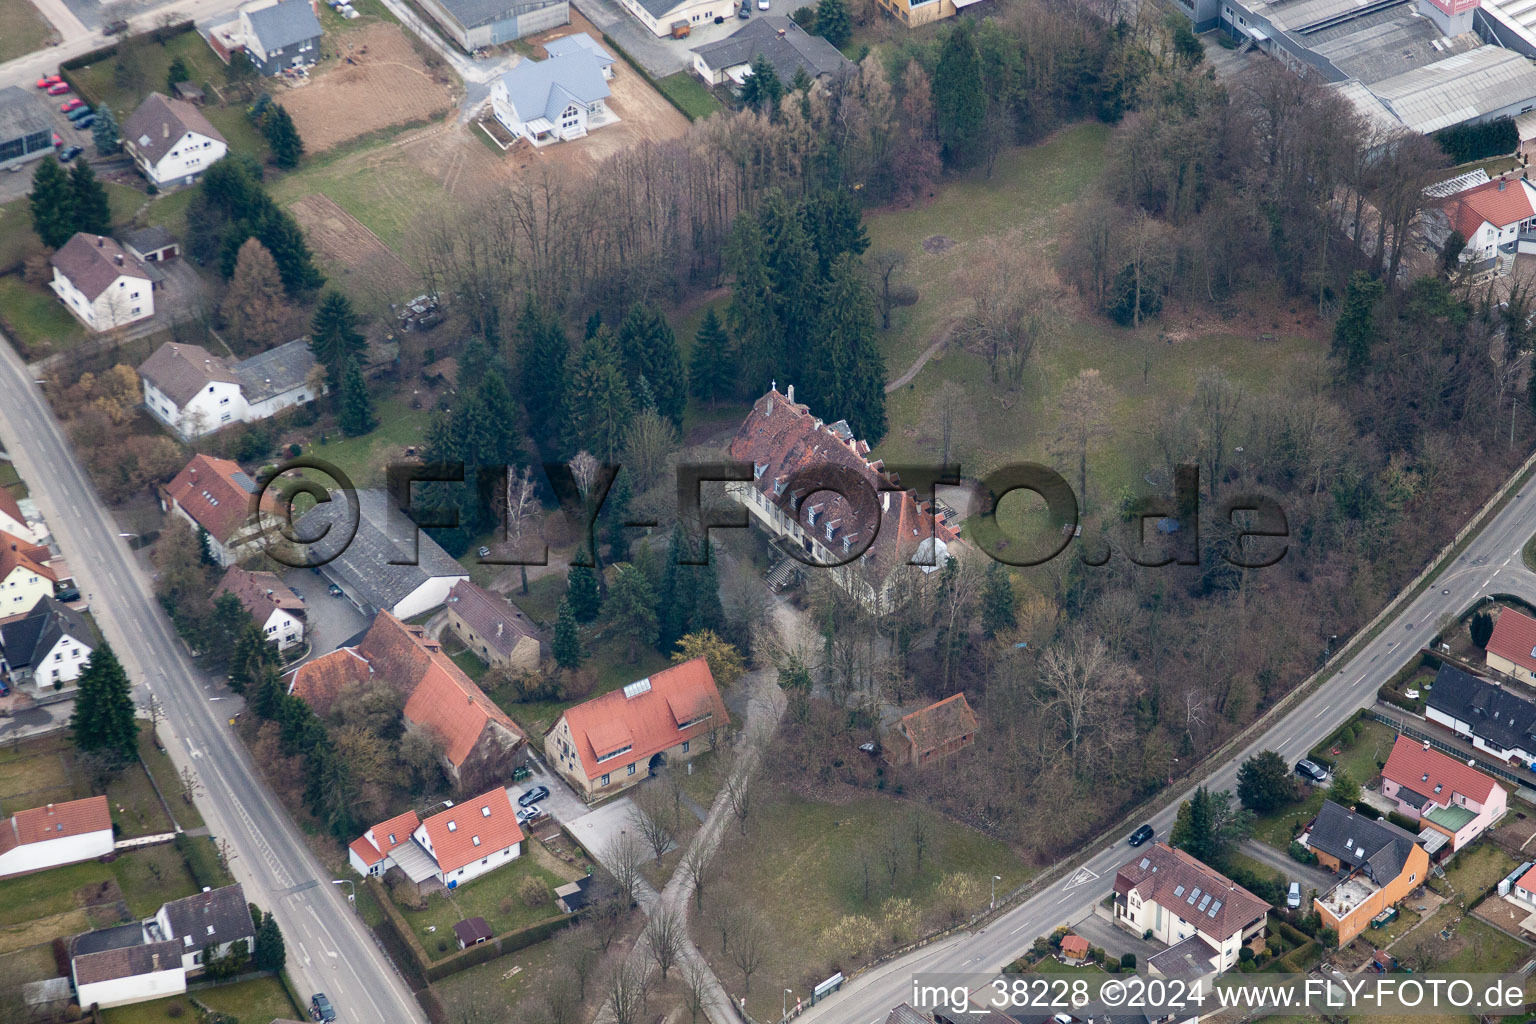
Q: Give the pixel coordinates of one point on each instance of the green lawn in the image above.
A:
(148, 878)
(1051, 965)
(1360, 759)
(800, 868)
(47, 893)
(35, 773)
(505, 980)
(36, 319)
(254, 1002)
(165, 774)
(17, 241)
(689, 94)
(152, 876)
(42, 771)
(22, 30)
(34, 963)
(496, 897)
(386, 193)
(1475, 870)
(363, 458)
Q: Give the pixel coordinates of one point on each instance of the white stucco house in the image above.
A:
(171, 141)
(211, 920)
(54, 835)
(472, 838)
(14, 522)
(118, 969)
(194, 392)
(215, 496)
(557, 99)
(661, 15)
(46, 648)
(25, 577)
(101, 283)
(276, 608)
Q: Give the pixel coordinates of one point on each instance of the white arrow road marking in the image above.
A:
(1083, 877)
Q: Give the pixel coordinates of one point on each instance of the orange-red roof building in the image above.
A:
(216, 496)
(932, 733)
(55, 834)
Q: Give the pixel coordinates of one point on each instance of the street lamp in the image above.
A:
(993, 904)
(787, 993)
(352, 894)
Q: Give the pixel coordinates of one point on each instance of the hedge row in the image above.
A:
(1297, 960)
(1295, 936)
(1467, 142)
(159, 35)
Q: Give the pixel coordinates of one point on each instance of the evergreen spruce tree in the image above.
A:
(832, 22)
(93, 214)
(543, 351)
(849, 377)
(707, 611)
(615, 514)
(762, 88)
(278, 129)
(599, 404)
(751, 316)
(593, 323)
(675, 595)
(566, 645)
(959, 99)
(648, 346)
(632, 607)
(356, 415)
(53, 203)
(997, 600)
(793, 281)
(176, 74)
(581, 593)
(835, 225)
(103, 720)
(264, 695)
(1355, 329)
(335, 339)
(105, 132)
(270, 953)
(713, 367)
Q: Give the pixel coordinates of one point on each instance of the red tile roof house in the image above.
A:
(794, 456)
(47, 837)
(932, 733)
(480, 744)
(276, 608)
(1492, 217)
(1512, 647)
(372, 853)
(493, 627)
(1440, 792)
(615, 740)
(215, 496)
(1203, 916)
(472, 838)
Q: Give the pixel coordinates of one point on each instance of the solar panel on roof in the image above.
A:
(1194, 895)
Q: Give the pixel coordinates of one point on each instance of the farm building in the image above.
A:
(493, 627)
(931, 733)
(788, 47)
(557, 99)
(116, 967)
(26, 132)
(668, 17)
(476, 23)
(47, 837)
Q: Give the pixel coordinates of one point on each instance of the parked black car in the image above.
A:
(85, 122)
(115, 28)
(1311, 770)
(533, 796)
(68, 153)
(1142, 835)
(320, 1008)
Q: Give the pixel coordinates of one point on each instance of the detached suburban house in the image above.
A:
(452, 847)
(912, 13)
(277, 610)
(25, 577)
(794, 454)
(14, 522)
(614, 741)
(216, 918)
(47, 647)
(276, 35)
(171, 141)
(385, 535)
(54, 835)
(556, 99)
(493, 627)
(102, 285)
(668, 17)
(788, 47)
(215, 496)
(1498, 721)
(115, 967)
(194, 392)
(932, 733)
(480, 743)
(1384, 863)
(1443, 794)
(1203, 917)
(1493, 217)
(476, 23)
(1512, 647)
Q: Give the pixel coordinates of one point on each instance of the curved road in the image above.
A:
(1491, 564)
(329, 948)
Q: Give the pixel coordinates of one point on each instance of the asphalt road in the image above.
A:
(1490, 565)
(329, 948)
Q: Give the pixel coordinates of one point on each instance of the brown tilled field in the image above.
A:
(342, 240)
(386, 85)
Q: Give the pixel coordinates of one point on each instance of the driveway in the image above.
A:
(661, 57)
(597, 830)
(1309, 876)
(1113, 940)
(329, 621)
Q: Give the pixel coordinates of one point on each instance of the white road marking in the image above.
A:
(1083, 877)
(1319, 714)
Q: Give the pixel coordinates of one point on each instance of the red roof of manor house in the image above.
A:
(216, 493)
(380, 840)
(646, 717)
(1514, 638)
(783, 440)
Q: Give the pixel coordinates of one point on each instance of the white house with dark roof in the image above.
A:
(47, 647)
(661, 15)
(476, 23)
(171, 141)
(195, 392)
(115, 967)
(274, 606)
(100, 283)
(583, 42)
(389, 565)
(216, 918)
(557, 99)
(787, 46)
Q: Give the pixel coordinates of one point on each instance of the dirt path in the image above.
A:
(922, 361)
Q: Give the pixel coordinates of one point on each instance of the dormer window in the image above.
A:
(758, 469)
(778, 486)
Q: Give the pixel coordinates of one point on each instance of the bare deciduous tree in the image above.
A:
(698, 872)
(695, 989)
(522, 511)
(885, 266)
(652, 815)
(739, 792)
(626, 990)
(665, 935)
(576, 951)
(1010, 294)
(750, 947)
(623, 859)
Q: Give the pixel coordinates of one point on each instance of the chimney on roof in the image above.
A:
(154, 961)
(100, 242)
(118, 258)
(790, 394)
(50, 806)
(1426, 744)
(499, 627)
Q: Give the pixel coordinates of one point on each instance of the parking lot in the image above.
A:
(19, 182)
(329, 621)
